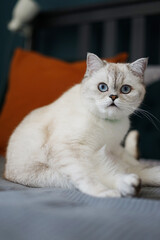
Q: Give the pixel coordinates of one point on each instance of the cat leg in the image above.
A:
(128, 185)
(126, 158)
(131, 144)
(35, 174)
(95, 188)
(87, 181)
(150, 175)
(118, 174)
(69, 173)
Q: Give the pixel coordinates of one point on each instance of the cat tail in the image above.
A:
(131, 143)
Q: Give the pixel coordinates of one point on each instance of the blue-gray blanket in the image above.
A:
(59, 214)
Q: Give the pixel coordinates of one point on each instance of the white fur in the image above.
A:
(139, 66)
(131, 143)
(76, 140)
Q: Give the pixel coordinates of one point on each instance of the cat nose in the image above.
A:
(113, 97)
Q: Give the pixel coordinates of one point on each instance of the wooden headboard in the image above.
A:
(109, 14)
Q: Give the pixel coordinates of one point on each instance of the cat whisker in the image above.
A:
(140, 109)
(149, 116)
(145, 113)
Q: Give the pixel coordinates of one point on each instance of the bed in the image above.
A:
(59, 214)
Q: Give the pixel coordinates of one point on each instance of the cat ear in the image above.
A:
(138, 67)
(94, 63)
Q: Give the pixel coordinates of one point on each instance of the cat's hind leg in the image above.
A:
(85, 178)
(27, 160)
(131, 144)
(150, 176)
(35, 174)
(64, 172)
(118, 175)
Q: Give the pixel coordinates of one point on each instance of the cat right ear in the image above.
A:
(94, 63)
(138, 67)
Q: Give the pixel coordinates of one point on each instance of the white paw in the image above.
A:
(109, 193)
(105, 192)
(129, 185)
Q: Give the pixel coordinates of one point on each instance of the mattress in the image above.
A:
(60, 214)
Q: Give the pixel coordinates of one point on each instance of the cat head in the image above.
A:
(113, 91)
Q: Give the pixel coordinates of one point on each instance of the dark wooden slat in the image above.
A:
(84, 33)
(109, 38)
(28, 43)
(137, 38)
(100, 15)
(109, 12)
(30, 38)
(159, 46)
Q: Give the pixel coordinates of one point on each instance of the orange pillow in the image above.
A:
(34, 81)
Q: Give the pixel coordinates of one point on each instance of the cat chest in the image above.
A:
(109, 134)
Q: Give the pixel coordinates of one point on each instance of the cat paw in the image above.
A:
(129, 185)
(103, 193)
(109, 193)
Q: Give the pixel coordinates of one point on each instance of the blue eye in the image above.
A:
(125, 89)
(102, 87)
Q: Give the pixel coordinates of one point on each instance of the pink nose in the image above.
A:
(113, 97)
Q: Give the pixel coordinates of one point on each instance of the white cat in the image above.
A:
(75, 142)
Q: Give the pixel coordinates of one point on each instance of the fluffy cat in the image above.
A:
(75, 142)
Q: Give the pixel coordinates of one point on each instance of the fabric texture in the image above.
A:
(60, 214)
(35, 81)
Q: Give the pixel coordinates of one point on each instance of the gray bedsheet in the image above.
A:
(59, 214)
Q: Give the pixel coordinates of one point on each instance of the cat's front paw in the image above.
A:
(109, 193)
(101, 192)
(129, 185)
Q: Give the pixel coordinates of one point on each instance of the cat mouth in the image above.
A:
(113, 105)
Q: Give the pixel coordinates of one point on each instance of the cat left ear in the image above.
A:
(94, 63)
(138, 67)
